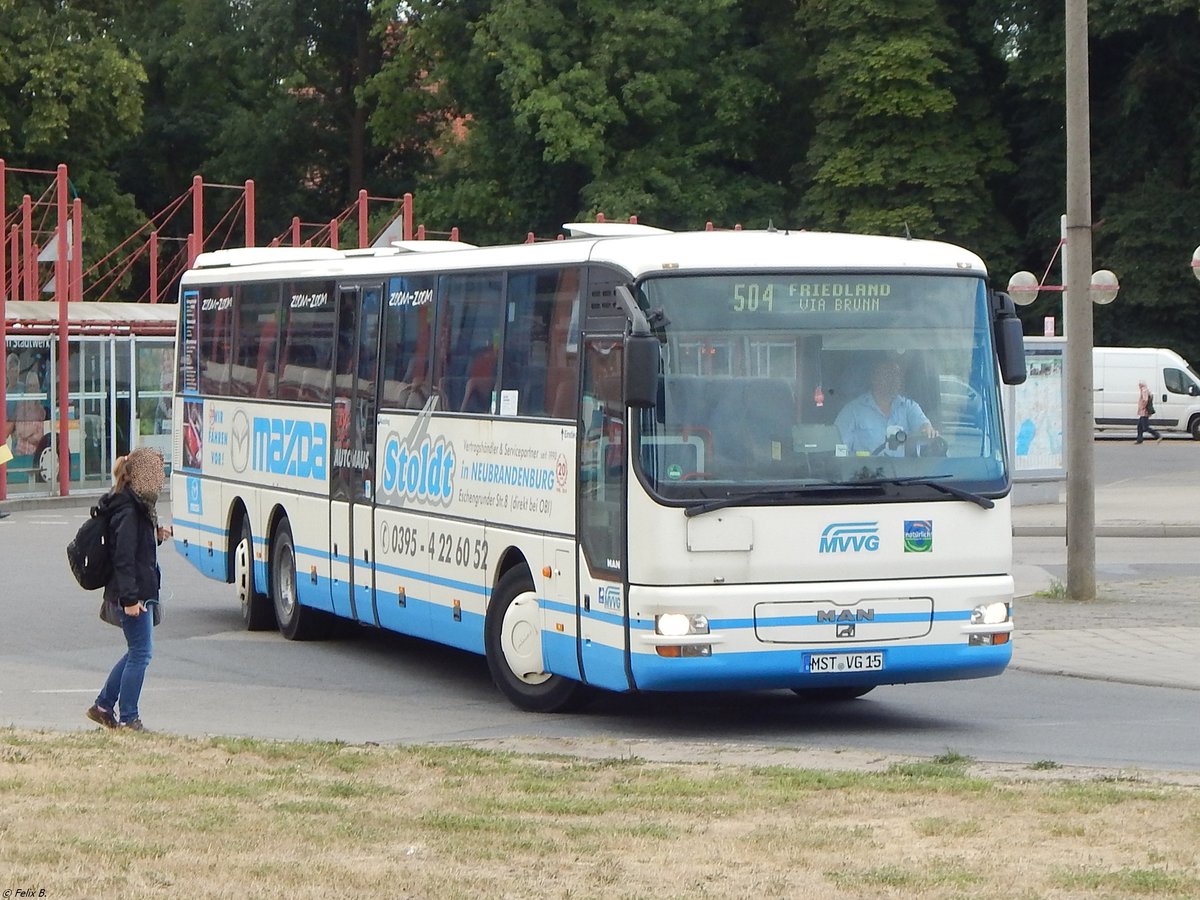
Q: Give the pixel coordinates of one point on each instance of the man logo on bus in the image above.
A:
(423, 473)
(850, 537)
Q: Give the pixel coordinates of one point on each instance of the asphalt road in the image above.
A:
(211, 677)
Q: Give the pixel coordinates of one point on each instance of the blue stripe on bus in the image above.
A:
(464, 586)
(200, 526)
(605, 665)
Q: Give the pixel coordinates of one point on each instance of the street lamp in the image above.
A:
(1024, 288)
(1196, 263)
(1079, 423)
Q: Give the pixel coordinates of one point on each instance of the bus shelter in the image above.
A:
(117, 397)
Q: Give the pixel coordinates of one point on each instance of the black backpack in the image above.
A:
(88, 553)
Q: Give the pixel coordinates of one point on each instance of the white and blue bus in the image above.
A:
(615, 461)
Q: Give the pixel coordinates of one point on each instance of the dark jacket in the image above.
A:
(134, 550)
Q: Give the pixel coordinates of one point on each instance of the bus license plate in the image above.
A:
(845, 662)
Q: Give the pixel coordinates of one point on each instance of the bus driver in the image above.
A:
(881, 421)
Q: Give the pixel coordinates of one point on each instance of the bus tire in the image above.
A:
(832, 694)
(512, 641)
(258, 612)
(45, 462)
(296, 622)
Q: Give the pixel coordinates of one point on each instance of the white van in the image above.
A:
(1174, 385)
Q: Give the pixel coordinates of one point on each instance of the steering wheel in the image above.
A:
(895, 440)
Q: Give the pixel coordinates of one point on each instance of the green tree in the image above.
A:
(566, 109)
(268, 90)
(904, 142)
(69, 93)
(1145, 134)
(904, 139)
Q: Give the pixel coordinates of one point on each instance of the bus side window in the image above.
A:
(215, 335)
(307, 343)
(469, 322)
(537, 365)
(405, 359)
(253, 370)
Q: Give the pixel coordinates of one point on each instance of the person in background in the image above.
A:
(132, 590)
(1144, 411)
(881, 421)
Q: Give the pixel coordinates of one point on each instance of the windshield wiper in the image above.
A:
(758, 496)
(825, 487)
(929, 481)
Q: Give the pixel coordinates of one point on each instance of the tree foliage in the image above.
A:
(69, 93)
(626, 108)
(903, 144)
(939, 118)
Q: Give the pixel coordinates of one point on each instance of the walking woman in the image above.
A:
(1144, 411)
(131, 595)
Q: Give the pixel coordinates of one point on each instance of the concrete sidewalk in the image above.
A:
(1144, 627)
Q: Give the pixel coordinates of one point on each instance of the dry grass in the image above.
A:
(106, 815)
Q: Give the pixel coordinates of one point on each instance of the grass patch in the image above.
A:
(223, 817)
(1056, 590)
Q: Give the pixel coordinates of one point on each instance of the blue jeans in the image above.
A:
(124, 683)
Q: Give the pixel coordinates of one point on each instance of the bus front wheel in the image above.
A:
(513, 643)
(296, 622)
(258, 613)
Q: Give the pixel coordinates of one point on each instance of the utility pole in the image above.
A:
(1077, 325)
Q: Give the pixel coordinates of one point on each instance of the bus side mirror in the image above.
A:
(1009, 338)
(642, 352)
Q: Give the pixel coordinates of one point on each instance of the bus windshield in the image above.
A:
(793, 383)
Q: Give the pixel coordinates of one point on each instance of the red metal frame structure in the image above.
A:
(26, 263)
(320, 234)
(27, 240)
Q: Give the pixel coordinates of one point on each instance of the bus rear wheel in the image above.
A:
(832, 694)
(258, 613)
(513, 643)
(296, 622)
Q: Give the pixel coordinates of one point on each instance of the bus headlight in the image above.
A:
(990, 614)
(680, 624)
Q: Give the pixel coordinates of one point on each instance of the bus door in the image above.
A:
(352, 452)
(601, 602)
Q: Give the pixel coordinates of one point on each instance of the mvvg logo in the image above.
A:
(609, 597)
(850, 537)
